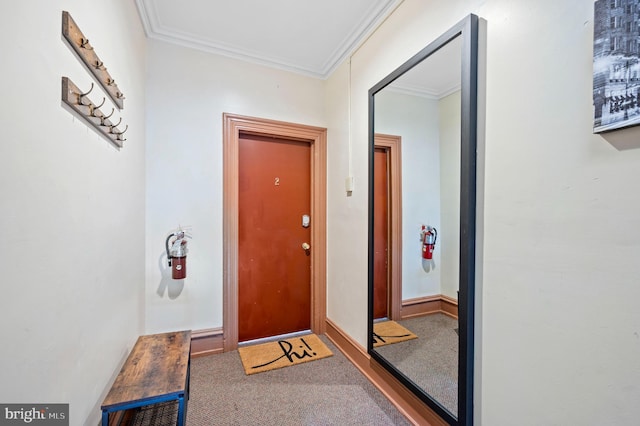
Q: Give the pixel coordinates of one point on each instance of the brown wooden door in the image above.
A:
(381, 234)
(274, 271)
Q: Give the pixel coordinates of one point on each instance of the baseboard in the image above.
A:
(211, 340)
(207, 342)
(449, 306)
(427, 305)
(406, 402)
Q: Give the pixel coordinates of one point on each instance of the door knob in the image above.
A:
(306, 246)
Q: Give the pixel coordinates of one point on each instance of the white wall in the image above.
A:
(559, 340)
(346, 214)
(72, 209)
(188, 91)
(449, 231)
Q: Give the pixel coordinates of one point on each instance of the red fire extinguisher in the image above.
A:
(177, 254)
(429, 237)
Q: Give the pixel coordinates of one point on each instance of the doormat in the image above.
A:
(282, 353)
(388, 332)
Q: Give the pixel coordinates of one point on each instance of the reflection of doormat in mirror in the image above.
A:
(282, 353)
(388, 332)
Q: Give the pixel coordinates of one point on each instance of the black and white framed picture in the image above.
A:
(616, 64)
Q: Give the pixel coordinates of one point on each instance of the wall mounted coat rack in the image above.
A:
(79, 102)
(80, 45)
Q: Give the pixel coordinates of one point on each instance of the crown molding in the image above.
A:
(155, 29)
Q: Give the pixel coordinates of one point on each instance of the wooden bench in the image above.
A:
(156, 372)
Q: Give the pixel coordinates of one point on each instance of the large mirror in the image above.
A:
(422, 199)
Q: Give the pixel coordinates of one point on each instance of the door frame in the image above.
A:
(391, 144)
(233, 125)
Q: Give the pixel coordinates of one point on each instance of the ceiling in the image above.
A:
(437, 76)
(310, 37)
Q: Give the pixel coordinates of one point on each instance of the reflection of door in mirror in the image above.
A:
(387, 296)
(381, 236)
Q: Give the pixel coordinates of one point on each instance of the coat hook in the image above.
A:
(119, 95)
(114, 125)
(84, 43)
(93, 108)
(85, 94)
(100, 65)
(111, 82)
(104, 117)
(119, 134)
(82, 95)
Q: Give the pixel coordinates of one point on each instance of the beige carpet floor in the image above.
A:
(431, 360)
(328, 391)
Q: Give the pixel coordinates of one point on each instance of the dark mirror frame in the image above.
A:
(468, 29)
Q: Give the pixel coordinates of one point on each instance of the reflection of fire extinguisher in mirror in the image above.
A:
(177, 254)
(429, 236)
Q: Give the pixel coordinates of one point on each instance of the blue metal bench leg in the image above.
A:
(181, 411)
